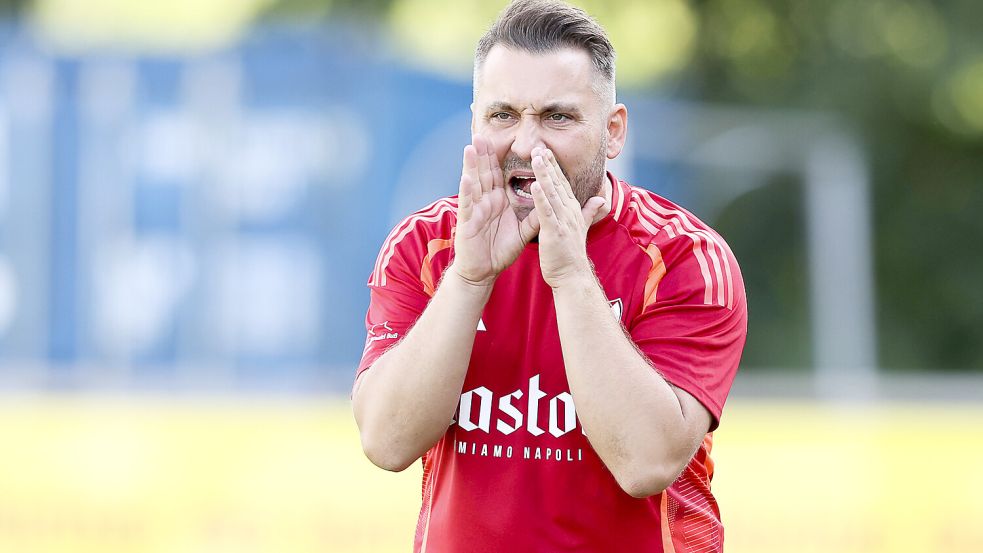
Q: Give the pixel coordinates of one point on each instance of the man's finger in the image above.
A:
(564, 196)
(496, 166)
(471, 168)
(465, 203)
(485, 176)
(545, 212)
(558, 174)
(529, 227)
(563, 189)
(595, 209)
(486, 148)
(548, 184)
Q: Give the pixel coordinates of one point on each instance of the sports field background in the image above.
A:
(213, 475)
(192, 194)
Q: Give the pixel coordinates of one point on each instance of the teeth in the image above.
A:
(520, 185)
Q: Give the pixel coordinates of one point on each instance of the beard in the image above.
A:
(585, 182)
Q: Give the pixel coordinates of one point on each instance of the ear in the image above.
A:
(617, 129)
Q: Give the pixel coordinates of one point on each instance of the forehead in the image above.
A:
(524, 78)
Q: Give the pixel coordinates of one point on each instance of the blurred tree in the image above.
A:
(145, 26)
(908, 74)
(320, 10)
(12, 8)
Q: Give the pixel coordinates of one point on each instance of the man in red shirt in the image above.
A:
(556, 345)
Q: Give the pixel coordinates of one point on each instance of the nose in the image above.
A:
(527, 136)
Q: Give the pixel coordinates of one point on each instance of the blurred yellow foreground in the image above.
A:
(112, 475)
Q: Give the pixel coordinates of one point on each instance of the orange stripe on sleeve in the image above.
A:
(655, 275)
(426, 271)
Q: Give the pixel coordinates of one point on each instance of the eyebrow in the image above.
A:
(555, 107)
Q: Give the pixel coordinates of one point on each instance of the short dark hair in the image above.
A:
(541, 26)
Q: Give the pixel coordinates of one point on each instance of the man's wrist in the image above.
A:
(476, 287)
(576, 282)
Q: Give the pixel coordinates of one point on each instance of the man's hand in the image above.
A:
(489, 236)
(562, 222)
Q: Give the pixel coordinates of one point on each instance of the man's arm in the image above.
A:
(643, 429)
(404, 402)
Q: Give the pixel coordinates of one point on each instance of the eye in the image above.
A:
(559, 117)
(500, 116)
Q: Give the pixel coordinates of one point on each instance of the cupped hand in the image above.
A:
(489, 236)
(562, 221)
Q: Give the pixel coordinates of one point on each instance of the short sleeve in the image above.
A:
(694, 328)
(397, 297)
(403, 277)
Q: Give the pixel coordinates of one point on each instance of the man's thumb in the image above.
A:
(529, 227)
(595, 209)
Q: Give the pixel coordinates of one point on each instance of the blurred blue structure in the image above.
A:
(202, 221)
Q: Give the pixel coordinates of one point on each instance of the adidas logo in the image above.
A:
(616, 308)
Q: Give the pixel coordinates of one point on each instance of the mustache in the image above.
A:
(512, 162)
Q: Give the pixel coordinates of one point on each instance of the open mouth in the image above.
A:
(520, 185)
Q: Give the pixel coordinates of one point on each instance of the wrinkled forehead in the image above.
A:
(523, 78)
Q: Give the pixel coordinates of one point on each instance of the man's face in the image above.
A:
(525, 100)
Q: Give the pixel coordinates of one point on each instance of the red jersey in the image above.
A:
(514, 471)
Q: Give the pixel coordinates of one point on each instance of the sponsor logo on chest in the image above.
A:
(536, 414)
(530, 410)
